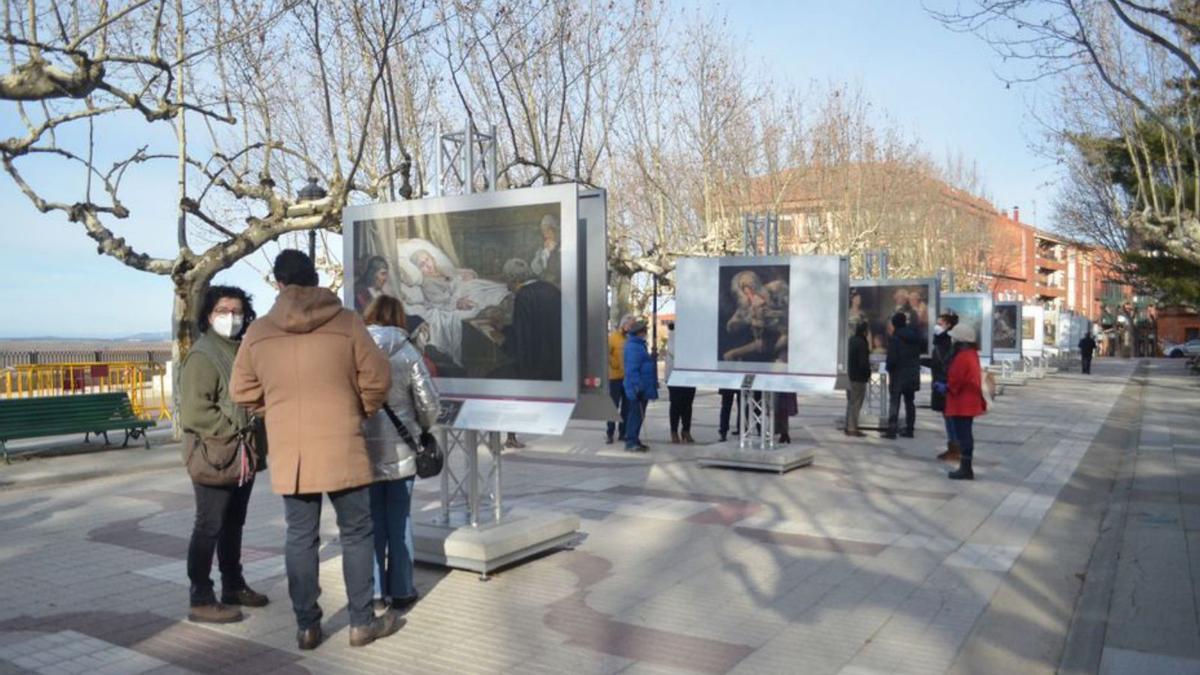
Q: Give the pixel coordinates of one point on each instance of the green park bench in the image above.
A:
(57, 415)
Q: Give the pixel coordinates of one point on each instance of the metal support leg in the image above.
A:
(471, 447)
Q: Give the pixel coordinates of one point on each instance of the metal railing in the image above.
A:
(22, 357)
(144, 382)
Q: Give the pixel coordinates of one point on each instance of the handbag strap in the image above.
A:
(400, 428)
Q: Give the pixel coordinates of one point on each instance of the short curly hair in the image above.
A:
(213, 295)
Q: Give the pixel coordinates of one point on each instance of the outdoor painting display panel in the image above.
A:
(779, 319)
(489, 284)
(974, 310)
(876, 301)
(1008, 329)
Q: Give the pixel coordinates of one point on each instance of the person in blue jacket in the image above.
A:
(641, 385)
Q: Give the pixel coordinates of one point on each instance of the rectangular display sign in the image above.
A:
(877, 300)
(974, 310)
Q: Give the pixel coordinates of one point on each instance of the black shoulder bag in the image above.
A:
(429, 456)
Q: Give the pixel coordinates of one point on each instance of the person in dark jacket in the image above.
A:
(939, 364)
(534, 339)
(904, 375)
(1087, 347)
(641, 384)
(858, 368)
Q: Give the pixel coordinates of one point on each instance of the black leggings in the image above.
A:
(681, 407)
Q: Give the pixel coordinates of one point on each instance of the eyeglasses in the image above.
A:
(224, 311)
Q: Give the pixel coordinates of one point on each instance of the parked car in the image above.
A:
(1189, 348)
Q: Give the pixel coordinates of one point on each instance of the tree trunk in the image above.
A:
(189, 296)
(622, 292)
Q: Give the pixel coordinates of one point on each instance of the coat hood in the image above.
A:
(302, 309)
(390, 339)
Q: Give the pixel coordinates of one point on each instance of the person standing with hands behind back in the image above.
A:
(1087, 347)
(858, 371)
(311, 365)
(904, 375)
(682, 398)
(641, 384)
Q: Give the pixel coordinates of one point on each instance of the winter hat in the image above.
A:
(962, 333)
(638, 326)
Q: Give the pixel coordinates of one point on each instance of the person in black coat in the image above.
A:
(858, 369)
(1087, 347)
(939, 364)
(904, 375)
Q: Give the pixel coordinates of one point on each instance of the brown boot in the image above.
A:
(381, 627)
(687, 437)
(675, 437)
(215, 613)
(953, 453)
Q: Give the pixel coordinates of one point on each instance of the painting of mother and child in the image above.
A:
(482, 289)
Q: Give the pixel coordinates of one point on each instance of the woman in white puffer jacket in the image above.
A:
(414, 400)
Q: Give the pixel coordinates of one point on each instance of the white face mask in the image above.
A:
(938, 330)
(227, 325)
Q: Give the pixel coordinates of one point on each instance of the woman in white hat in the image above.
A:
(964, 396)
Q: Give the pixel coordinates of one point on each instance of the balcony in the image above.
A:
(1044, 263)
(1050, 291)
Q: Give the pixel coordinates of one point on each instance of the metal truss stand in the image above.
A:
(471, 530)
(756, 447)
(464, 162)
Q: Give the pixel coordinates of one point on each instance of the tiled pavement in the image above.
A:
(868, 561)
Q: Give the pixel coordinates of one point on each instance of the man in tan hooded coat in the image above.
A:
(314, 370)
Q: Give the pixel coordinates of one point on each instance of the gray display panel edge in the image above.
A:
(566, 194)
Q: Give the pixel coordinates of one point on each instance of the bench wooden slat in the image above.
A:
(58, 415)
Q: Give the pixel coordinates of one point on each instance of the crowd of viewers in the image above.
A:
(343, 395)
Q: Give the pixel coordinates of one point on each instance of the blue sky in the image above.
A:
(936, 84)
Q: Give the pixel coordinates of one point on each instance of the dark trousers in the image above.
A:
(633, 422)
(220, 517)
(855, 393)
(391, 517)
(908, 393)
(728, 396)
(616, 391)
(1086, 359)
(303, 516)
(682, 399)
(963, 433)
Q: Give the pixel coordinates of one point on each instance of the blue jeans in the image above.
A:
(391, 512)
(616, 391)
(951, 433)
(963, 433)
(303, 516)
(633, 423)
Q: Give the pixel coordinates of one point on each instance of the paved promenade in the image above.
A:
(1077, 547)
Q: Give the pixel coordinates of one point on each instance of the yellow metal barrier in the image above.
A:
(136, 379)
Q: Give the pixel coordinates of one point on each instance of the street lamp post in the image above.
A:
(310, 193)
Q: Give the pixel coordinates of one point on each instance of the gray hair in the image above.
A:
(517, 271)
(626, 320)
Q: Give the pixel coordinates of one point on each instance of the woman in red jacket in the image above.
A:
(964, 396)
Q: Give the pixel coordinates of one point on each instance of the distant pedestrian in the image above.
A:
(641, 384)
(616, 378)
(682, 398)
(412, 402)
(786, 407)
(1087, 347)
(311, 365)
(858, 370)
(943, 351)
(964, 396)
(904, 375)
(212, 422)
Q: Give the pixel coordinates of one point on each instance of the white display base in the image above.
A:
(1011, 380)
(520, 534)
(782, 459)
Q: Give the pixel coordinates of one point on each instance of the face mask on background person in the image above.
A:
(938, 329)
(227, 325)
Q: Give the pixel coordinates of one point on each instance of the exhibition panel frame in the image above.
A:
(1033, 329)
(976, 310)
(767, 323)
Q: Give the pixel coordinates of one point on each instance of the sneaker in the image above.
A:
(215, 613)
(381, 627)
(246, 597)
(308, 638)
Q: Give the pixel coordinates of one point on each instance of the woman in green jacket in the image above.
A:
(206, 410)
